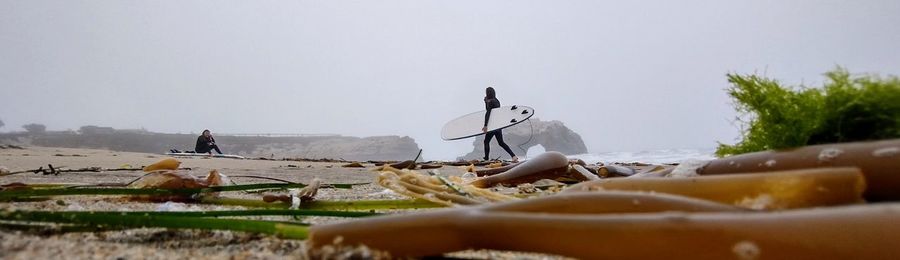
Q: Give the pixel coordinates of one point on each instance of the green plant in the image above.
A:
(93, 221)
(845, 109)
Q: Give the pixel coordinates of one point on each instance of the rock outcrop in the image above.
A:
(552, 135)
(343, 147)
(314, 147)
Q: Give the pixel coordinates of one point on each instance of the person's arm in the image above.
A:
(487, 115)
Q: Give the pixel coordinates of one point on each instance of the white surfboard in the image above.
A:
(470, 125)
(232, 156)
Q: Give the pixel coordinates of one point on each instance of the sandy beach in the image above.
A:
(156, 243)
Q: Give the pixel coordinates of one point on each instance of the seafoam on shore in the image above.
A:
(652, 157)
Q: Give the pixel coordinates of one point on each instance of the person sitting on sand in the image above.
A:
(491, 102)
(206, 143)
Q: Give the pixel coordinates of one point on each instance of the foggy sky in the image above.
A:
(626, 75)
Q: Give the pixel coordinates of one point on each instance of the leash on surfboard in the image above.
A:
(530, 137)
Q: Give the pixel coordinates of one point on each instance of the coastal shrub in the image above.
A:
(847, 108)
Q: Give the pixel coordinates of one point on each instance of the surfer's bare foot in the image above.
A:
(515, 159)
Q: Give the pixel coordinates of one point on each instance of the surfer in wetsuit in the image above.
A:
(491, 102)
(206, 143)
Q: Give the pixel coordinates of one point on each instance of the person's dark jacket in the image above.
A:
(204, 144)
(489, 104)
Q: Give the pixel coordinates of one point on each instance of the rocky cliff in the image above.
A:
(334, 147)
(552, 135)
(343, 147)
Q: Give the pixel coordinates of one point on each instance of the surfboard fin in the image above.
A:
(514, 107)
(525, 111)
(513, 120)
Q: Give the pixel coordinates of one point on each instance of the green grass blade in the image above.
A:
(106, 220)
(24, 193)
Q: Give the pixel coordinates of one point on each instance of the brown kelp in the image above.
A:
(808, 233)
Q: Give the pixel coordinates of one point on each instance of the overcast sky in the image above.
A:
(626, 75)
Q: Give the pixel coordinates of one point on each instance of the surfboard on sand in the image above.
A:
(470, 125)
(232, 156)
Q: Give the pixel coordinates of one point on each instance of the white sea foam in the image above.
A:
(654, 156)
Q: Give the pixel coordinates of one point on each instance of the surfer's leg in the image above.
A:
(487, 144)
(216, 147)
(503, 144)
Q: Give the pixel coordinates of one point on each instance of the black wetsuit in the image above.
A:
(490, 104)
(206, 145)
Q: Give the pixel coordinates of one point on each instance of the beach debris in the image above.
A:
(326, 160)
(408, 164)
(9, 146)
(612, 170)
(438, 189)
(353, 165)
(491, 171)
(577, 162)
(495, 165)
(581, 173)
(50, 170)
(167, 179)
(527, 188)
(308, 193)
(429, 166)
(657, 171)
(170, 206)
(820, 233)
(164, 164)
(767, 191)
(548, 165)
(72, 155)
(687, 168)
(338, 250)
(15, 186)
(882, 176)
(296, 197)
(164, 174)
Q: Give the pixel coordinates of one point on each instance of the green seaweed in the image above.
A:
(847, 108)
(110, 220)
(25, 194)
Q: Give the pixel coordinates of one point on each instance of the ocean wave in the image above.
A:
(653, 156)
